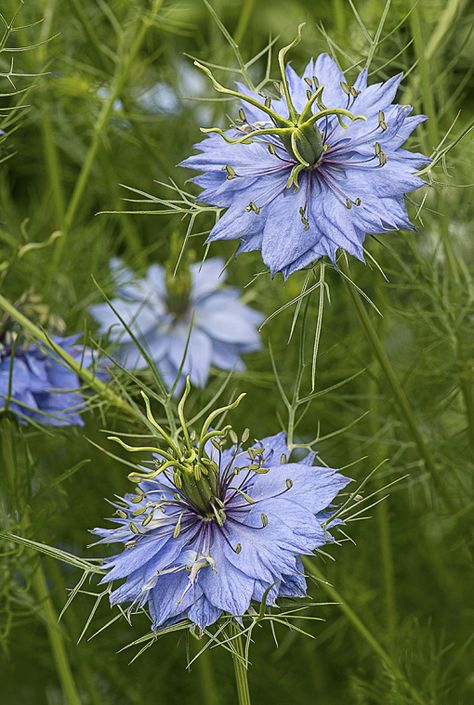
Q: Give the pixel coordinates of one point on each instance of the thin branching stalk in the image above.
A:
(40, 585)
(401, 400)
(416, 20)
(121, 76)
(363, 630)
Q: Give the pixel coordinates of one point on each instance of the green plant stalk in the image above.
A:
(340, 17)
(40, 585)
(363, 630)
(72, 627)
(400, 398)
(429, 105)
(49, 145)
(240, 670)
(121, 77)
(382, 510)
(435, 41)
(206, 678)
(50, 151)
(244, 19)
(467, 387)
(383, 523)
(55, 637)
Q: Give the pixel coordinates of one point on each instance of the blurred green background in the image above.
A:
(102, 93)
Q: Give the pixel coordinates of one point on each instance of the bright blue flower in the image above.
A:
(222, 327)
(36, 384)
(308, 186)
(197, 562)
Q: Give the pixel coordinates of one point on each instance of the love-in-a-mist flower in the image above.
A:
(190, 316)
(36, 384)
(210, 529)
(313, 170)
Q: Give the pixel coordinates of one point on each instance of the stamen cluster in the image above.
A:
(211, 529)
(315, 169)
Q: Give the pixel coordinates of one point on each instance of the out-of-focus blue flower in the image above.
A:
(162, 98)
(161, 313)
(198, 549)
(314, 170)
(38, 385)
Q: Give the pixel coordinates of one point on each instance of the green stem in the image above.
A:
(244, 19)
(39, 583)
(240, 668)
(383, 522)
(55, 636)
(206, 677)
(400, 398)
(467, 387)
(8, 453)
(436, 39)
(51, 153)
(429, 105)
(382, 511)
(363, 630)
(117, 86)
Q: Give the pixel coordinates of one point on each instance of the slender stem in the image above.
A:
(363, 630)
(121, 76)
(467, 387)
(49, 145)
(206, 677)
(240, 668)
(244, 19)
(340, 17)
(437, 36)
(39, 583)
(382, 517)
(382, 511)
(429, 105)
(400, 398)
(55, 636)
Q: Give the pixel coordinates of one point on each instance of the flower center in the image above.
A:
(178, 280)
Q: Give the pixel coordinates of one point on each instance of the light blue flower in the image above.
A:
(197, 553)
(162, 98)
(311, 171)
(36, 384)
(222, 328)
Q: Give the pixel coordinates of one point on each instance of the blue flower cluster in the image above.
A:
(195, 559)
(36, 384)
(300, 178)
(204, 325)
(301, 175)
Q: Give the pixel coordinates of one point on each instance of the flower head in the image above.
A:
(188, 317)
(313, 170)
(212, 529)
(36, 384)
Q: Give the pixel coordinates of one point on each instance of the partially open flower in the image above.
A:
(36, 384)
(312, 170)
(212, 529)
(189, 317)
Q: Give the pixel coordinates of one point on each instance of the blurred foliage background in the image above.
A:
(96, 95)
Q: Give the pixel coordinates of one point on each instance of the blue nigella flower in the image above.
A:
(200, 545)
(36, 384)
(161, 310)
(313, 170)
